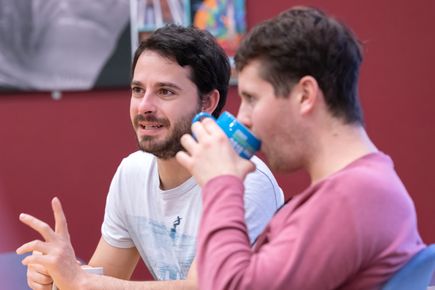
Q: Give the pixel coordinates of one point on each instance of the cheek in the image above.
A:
(260, 124)
(268, 125)
(133, 110)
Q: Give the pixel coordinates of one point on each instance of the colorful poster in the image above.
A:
(225, 19)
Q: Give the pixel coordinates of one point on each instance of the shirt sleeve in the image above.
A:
(114, 229)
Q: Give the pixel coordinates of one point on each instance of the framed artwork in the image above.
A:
(225, 19)
(148, 15)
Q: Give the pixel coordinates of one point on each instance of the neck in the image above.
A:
(337, 147)
(171, 173)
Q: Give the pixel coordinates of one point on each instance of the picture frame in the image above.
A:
(224, 19)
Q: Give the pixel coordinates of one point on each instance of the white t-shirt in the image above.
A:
(163, 224)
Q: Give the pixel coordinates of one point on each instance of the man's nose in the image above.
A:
(147, 104)
(243, 116)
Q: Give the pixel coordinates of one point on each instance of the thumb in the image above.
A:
(245, 167)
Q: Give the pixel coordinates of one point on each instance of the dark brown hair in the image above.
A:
(197, 49)
(305, 41)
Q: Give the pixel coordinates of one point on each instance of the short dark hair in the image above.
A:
(305, 41)
(197, 49)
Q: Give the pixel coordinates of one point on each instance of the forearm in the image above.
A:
(224, 249)
(94, 282)
(116, 262)
(118, 266)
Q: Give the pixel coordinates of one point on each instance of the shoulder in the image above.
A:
(261, 169)
(135, 166)
(262, 173)
(370, 182)
(373, 173)
(370, 196)
(135, 173)
(137, 157)
(138, 160)
(261, 182)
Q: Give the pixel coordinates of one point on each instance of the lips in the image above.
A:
(148, 126)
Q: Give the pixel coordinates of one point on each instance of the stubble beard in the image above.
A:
(167, 148)
(285, 159)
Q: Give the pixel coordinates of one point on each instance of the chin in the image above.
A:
(278, 163)
(276, 166)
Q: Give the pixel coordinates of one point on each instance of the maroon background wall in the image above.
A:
(71, 147)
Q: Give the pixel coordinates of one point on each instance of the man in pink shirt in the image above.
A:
(355, 225)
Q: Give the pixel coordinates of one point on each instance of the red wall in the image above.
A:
(71, 147)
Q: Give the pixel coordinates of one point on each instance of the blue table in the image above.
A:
(12, 272)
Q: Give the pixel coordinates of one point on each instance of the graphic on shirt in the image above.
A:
(177, 222)
(167, 252)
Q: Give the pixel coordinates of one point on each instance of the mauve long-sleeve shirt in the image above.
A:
(352, 230)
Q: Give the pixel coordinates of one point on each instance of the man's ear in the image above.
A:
(309, 94)
(210, 101)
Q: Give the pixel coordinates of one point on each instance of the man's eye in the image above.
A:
(249, 98)
(136, 90)
(165, 92)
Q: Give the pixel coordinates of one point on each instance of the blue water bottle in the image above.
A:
(241, 138)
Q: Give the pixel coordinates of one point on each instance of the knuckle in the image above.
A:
(37, 243)
(56, 258)
(44, 279)
(32, 284)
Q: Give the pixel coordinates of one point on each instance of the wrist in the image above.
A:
(90, 277)
(85, 281)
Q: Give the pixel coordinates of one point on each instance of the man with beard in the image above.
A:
(154, 204)
(355, 225)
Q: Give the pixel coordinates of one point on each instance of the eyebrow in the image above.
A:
(135, 83)
(160, 84)
(246, 94)
(170, 85)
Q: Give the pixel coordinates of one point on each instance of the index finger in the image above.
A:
(211, 126)
(60, 226)
(204, 129)
(41, 227)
